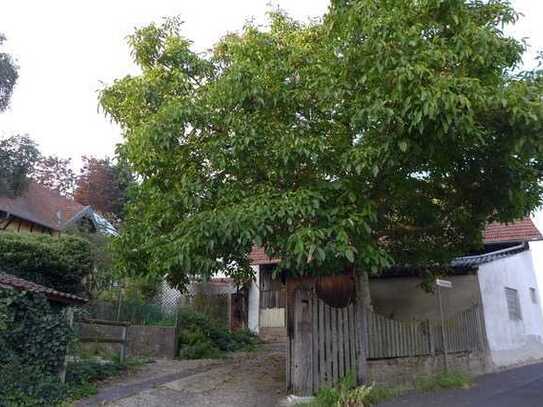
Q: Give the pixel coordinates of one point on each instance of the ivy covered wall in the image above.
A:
(33, 340)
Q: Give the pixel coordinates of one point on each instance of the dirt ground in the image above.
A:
(254, 379)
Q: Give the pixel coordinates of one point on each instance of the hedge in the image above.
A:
(61, 263)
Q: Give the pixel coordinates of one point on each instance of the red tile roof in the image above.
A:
(259, 256)
(523, 230)
(42, 206)
(10, 281)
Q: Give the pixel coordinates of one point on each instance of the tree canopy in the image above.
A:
(55, 173)
(8, 76)
(18, 155)
(389, 130)
(103, 184)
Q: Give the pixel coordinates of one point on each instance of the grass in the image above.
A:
(444, 381)
(346, 394)
(83, 376)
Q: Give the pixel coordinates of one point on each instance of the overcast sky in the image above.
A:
(67, 49)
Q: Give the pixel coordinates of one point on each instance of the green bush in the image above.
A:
(33, 342)
(214, 306)
(90, 371)
(61, 263)
(347, 394)
(24, 385)
(201, 338)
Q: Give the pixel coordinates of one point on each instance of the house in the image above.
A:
(504, 278)
(41, 210)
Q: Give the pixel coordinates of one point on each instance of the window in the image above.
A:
(533, 295)
(513, 304)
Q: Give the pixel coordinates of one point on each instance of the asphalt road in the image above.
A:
(520, 387)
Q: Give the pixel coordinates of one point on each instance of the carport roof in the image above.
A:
(489, 257)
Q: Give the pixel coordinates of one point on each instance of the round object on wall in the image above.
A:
(336, 291)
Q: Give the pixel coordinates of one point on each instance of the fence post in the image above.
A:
(431, 337)
(444, 337)
(70, 320)
(124, 345)
(119, 303)
(229, 310)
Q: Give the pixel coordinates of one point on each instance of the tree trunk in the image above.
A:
(363, 304)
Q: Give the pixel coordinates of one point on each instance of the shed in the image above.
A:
(52, 295)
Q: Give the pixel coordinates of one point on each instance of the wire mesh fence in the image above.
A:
(136, 313)
(163, 309)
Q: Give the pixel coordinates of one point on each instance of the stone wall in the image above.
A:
(143, 340)
(402, 371)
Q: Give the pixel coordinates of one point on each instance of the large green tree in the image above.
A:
(390, 130)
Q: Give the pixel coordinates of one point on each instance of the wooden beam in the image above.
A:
(102, 340)
(104, 322)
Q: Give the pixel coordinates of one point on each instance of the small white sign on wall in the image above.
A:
(443, 283)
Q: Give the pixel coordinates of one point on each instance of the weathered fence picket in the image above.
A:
(390, 338)
(323, 340)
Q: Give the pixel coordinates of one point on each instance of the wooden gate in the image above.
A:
(322, 342)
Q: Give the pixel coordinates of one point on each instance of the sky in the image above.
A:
(67, 50)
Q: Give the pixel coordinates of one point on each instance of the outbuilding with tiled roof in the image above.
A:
(10, 281)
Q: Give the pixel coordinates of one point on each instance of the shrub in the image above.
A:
(24, 385)
(346, 394)
(61, 263)
(201, 338)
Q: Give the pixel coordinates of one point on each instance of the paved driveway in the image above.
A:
(254, 379)
(520, 387)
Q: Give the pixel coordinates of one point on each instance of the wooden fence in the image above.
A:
(123, 340)
(388, 338)
(322, 344)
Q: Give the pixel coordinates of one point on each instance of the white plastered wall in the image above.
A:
(254, 302)
(511, 342)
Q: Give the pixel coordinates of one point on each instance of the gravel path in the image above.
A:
(520, 387)
(253, 379)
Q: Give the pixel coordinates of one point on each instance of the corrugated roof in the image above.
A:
(473, 261)
(11, 281)
(521, 231)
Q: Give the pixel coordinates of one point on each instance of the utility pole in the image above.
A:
(446, 284)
